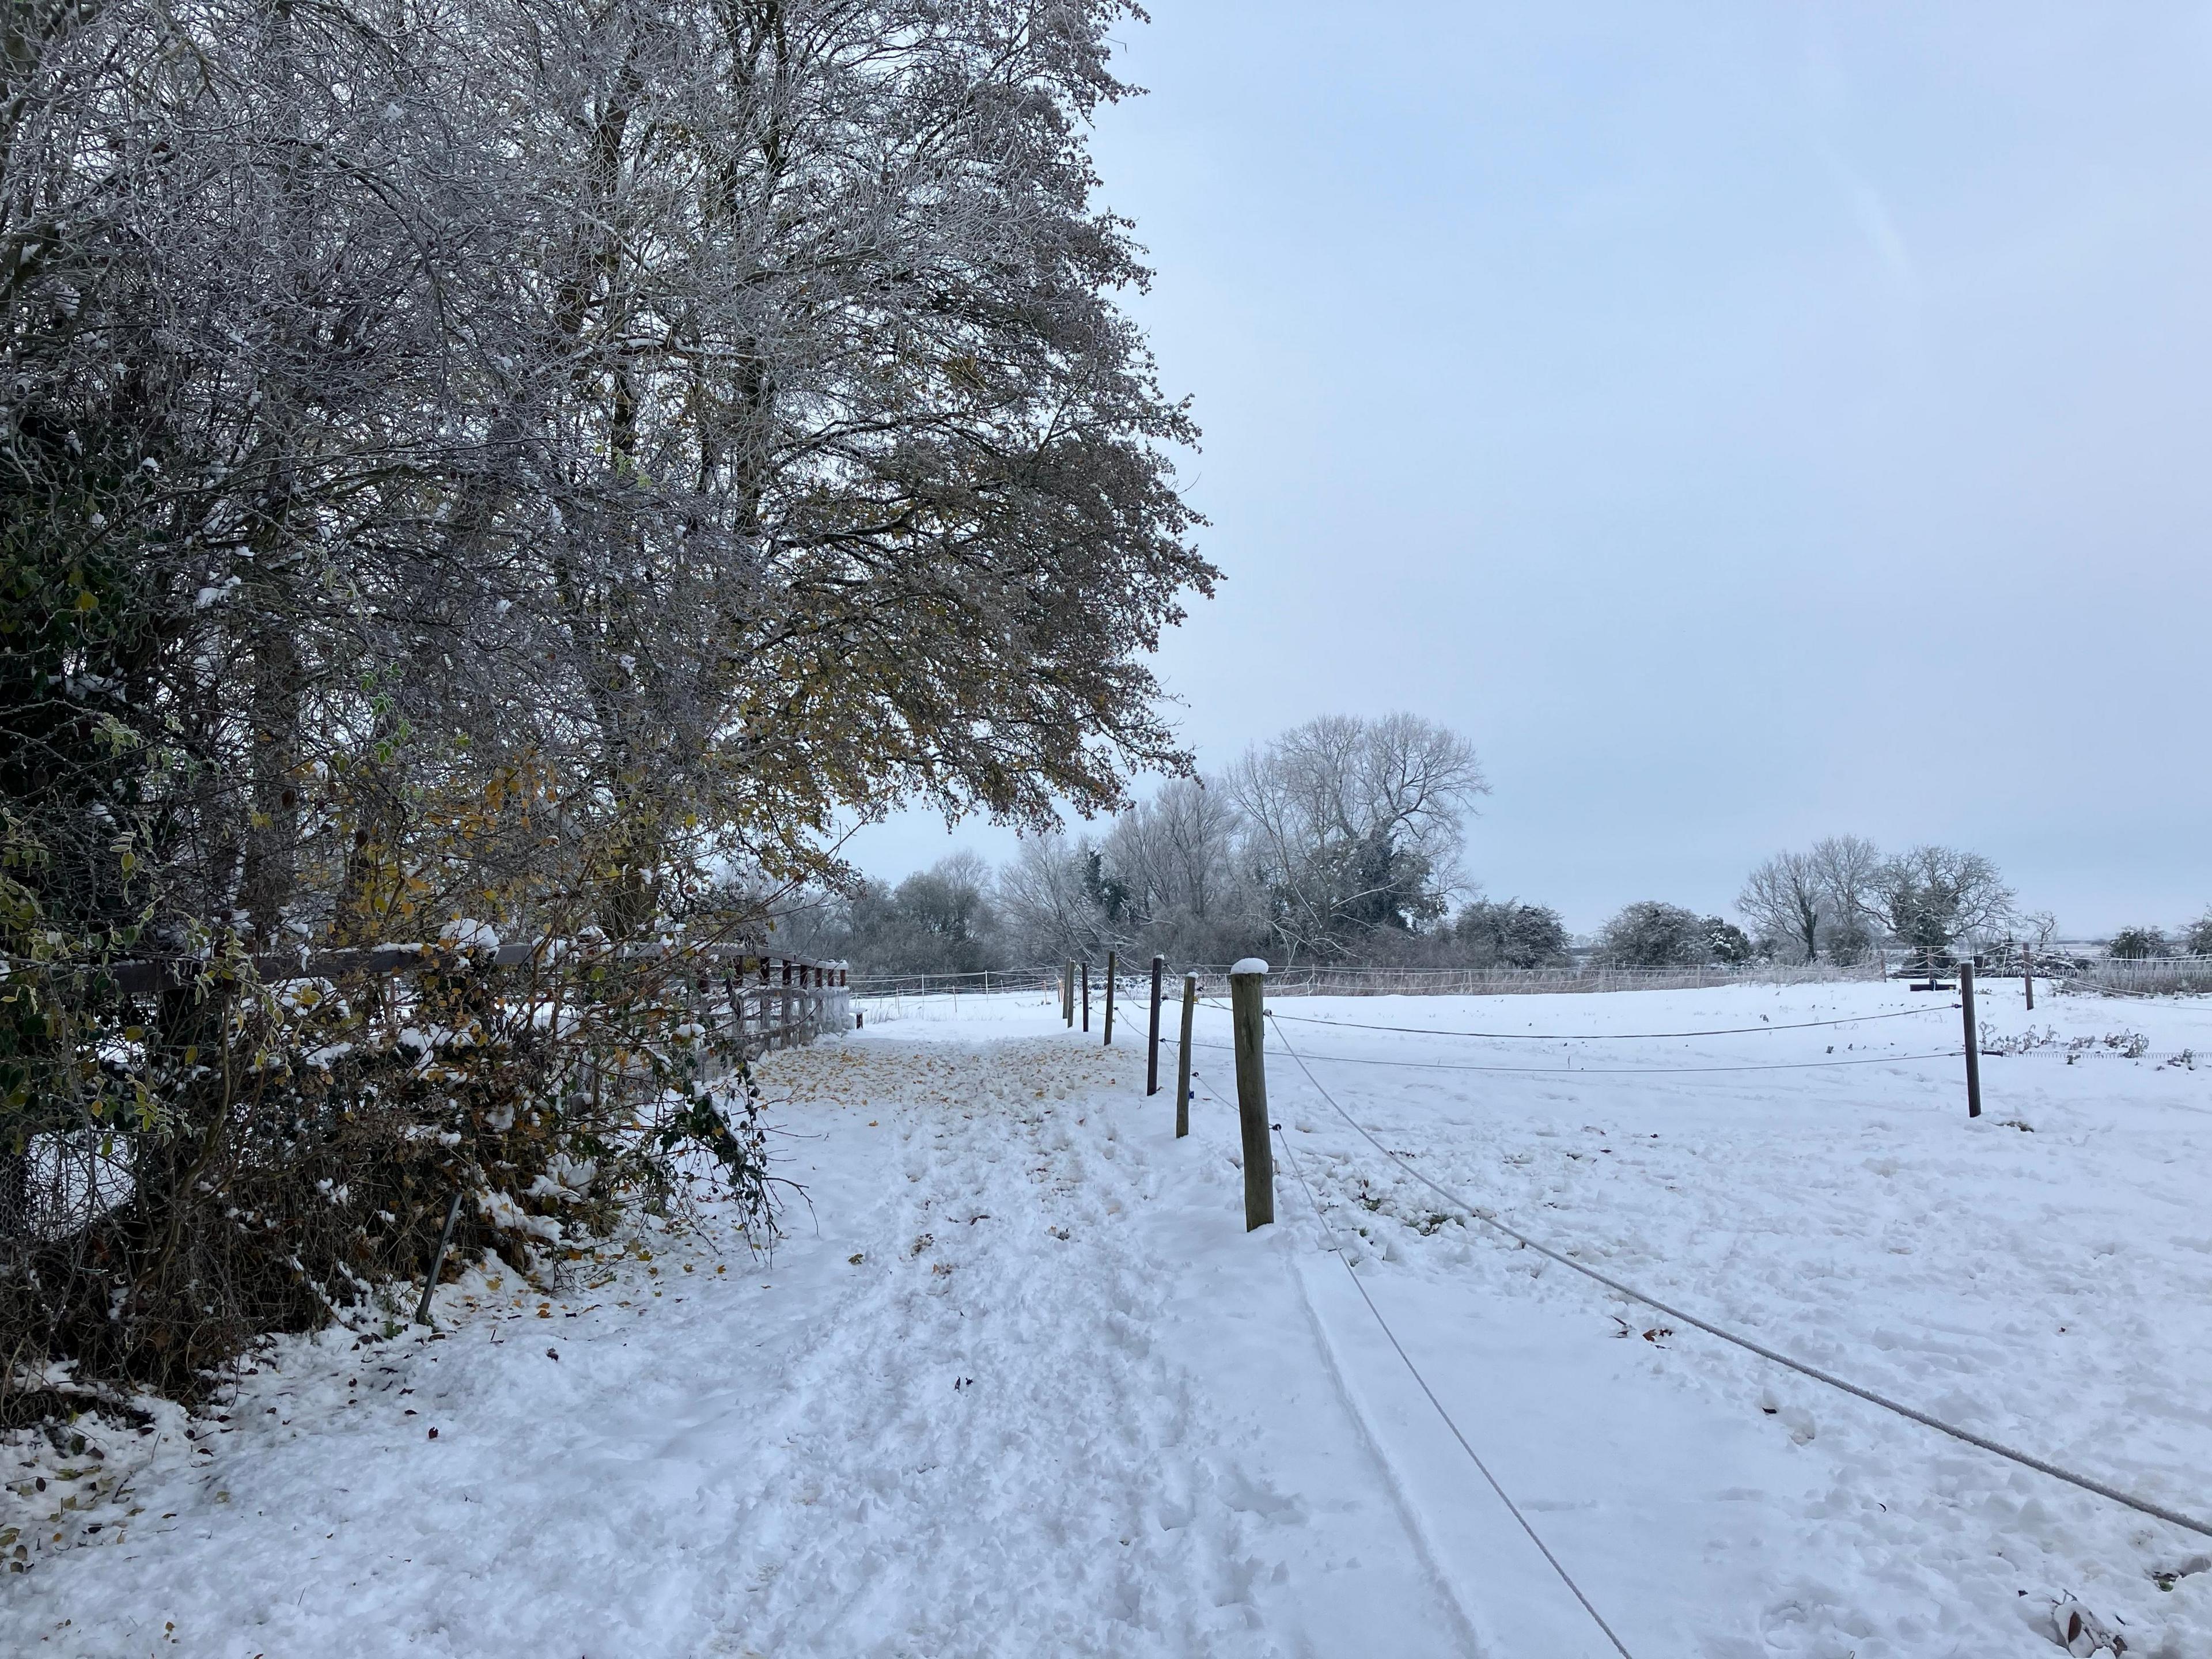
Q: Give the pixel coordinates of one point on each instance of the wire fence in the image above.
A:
(1479, 1213)
(1327, 980)
(1614, 1070)
(2114, 975)
(985, 982)
(2140, 976)
(1762, 1028)
(1466, 1445)
(1321, 980)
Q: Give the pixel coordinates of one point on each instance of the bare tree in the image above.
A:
(1178, 859)
(1358, 825)
(1849, 868)
(1786, 898)
(1049, 902)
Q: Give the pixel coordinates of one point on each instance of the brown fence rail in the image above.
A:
(772, 1001)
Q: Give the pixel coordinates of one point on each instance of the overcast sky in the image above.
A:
(1745, 422)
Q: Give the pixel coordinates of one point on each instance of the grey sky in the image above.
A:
(1747, 421)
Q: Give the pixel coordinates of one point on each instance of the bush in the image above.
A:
(1511, 934)
(1651, 934)
(1726, 943)
(162, 1214)
(2134, 944)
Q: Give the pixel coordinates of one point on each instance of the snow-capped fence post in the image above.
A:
(1113, 967)
(1067, 991)
(1152, 1041)
(1182, 1063)
(2027, 974)
(1973, 1039)
(1248, 1010)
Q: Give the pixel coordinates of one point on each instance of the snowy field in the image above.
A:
(1018, 1383)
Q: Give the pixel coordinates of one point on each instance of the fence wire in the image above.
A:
(1620, 1036)
(1614, 1070)
(1996, 1448)
(1513, 1509)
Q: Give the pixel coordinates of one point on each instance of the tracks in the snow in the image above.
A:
(985, 1406)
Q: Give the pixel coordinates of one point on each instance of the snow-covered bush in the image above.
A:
(1652, 934)
(2137, 943)
(253, 1159)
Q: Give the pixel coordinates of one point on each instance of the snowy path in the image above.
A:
(1061, 1404)
(967, 1441)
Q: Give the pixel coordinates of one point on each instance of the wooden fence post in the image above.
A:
(1113, 966)
(1152, 1044)
(1248, 1010)
(1085, 971)
(1973, 1040)
(1067, 991)
(2027, 974)
(1182, 1066)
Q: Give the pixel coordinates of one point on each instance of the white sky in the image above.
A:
(1747, 421)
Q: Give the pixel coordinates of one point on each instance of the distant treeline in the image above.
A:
(1343, 841)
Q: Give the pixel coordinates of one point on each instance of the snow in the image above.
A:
(1018, 1383)
(466, 934)
(1250, 965)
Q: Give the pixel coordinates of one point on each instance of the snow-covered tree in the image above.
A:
(514, 460)
(1933, 896)
(1357, 826)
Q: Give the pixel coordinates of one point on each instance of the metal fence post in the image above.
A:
(1152, 1041)
(1973, 1040)
(1182, 1065)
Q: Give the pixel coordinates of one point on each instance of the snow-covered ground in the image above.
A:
(1018, 1383)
